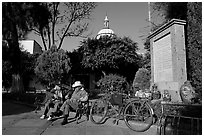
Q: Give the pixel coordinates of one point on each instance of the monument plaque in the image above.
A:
(168, 57)
(162, 56)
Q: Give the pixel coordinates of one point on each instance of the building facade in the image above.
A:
(30, 46)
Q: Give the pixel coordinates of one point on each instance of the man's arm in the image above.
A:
(84, 96)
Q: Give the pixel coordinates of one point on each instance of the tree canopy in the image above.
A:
(66, 19)
(112, 82)
(142, 79)
(17, 20)
(194, 45)
(162, 12)
(52, 65)
(111, 55)
(27, 64)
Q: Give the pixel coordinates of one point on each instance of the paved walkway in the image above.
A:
(29, 123)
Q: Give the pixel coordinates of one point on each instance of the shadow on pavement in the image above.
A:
(9, 108)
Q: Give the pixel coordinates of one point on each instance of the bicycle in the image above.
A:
(137, 113)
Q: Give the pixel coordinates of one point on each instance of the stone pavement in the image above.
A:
(29, 123)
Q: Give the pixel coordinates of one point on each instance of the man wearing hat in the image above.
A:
(78, 95)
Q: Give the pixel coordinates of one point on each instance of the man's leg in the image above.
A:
(56, 106)
(65, 108)
(55, 110)
(47, 107)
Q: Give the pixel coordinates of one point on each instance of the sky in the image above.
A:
(125, 19)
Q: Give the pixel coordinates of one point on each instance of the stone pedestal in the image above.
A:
(168, 57)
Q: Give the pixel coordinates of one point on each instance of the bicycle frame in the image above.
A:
(128, 101)
(145, 101)
(134, 109)
(117, 111)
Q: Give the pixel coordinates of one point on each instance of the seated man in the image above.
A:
(53, 102)
(78, 95)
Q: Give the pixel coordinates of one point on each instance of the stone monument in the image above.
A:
(168, 58)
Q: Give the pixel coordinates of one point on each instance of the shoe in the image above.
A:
(87, 117)
(42, 117)
(64, 120)
(77, 115)
(49, 118)
(57, 114)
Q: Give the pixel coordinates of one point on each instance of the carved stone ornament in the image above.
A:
(187, 93)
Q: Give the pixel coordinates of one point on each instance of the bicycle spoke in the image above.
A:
(98, 111)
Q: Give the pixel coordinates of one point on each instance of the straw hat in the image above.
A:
(77, 84)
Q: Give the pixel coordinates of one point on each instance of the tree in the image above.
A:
(76, 58)
(66, 20)
(28, 66)
(171, 9)
(162, 12)
(111, 55)
(142, 79)
(6, 74)
(194, 45)
(112, 82)
(146, 60)
(16, 22)
(52, 65)
(6, 66)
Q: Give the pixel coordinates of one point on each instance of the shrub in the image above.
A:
(52, 66)
(142, 79)
(112, 82)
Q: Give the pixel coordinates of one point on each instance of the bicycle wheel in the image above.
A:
(138, 115)
(98, 111)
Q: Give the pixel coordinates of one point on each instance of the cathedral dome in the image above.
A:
(106, 31)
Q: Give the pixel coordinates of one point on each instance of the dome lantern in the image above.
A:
(106, 31)
(106, 22)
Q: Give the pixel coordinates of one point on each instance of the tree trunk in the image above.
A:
(17, 84)
(14, 50)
